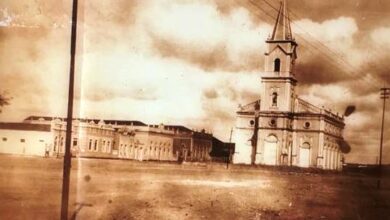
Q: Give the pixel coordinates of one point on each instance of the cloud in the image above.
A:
(337, 32)
(191, 62)
(378, 60)
(30, 70)
(319, 63)
(6, 18)
(165, 75)
(210, 94)
(380, 37)
(331, 54)
(200, 34)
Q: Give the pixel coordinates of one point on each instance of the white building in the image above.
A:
(45, 136)
(25, 139)
(280, 128)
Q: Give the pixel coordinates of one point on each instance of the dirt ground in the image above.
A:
(30, 188)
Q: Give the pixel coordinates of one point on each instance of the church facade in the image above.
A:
(280, 128)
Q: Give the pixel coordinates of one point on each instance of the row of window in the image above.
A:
(331, 158)
(331, 146)
(200, 151)
(125, 150)
(99, 131)
(306, 125)
(60, 142)
(22, 140)
(124, 146)
(92, 146)
(159, 149)
(272, 123)
(332, 129)
(105, 145)
(159, 143)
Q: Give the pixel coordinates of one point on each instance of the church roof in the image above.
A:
(282, 28)
(304, 106)
(251, 107)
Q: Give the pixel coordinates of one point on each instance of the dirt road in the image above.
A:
(104, 189)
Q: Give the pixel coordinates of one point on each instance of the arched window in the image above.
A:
(104, 146)
(277, 65)
(306, 145)
(272, 138)
(274, 99)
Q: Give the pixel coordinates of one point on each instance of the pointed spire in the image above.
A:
(282, 29)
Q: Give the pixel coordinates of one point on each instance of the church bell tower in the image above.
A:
(279, 81)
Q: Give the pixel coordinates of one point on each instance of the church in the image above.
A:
(280, 128)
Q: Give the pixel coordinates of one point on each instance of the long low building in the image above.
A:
(45, 136)
(25, 139)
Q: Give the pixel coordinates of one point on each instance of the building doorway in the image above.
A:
(304, 155)
(270, 150)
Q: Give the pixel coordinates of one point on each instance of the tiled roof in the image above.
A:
(45, 118)
(178, 127)
(24, 126)
(124, 122)
(96, 121)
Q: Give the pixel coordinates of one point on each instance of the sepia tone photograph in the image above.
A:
(194, 109)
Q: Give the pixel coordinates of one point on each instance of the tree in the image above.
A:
(4, 100)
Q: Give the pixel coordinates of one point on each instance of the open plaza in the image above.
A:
(30, 188)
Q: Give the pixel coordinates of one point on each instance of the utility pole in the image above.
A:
(229, 149)
(67, 156)
(254, 136)
(385, 92)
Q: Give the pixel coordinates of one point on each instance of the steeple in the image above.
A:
(282, 28)
(279, 77)
(281, 52)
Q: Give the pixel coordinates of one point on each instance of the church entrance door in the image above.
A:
(304, 155)
(270, 153)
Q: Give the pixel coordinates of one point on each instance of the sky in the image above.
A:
(193, 62)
